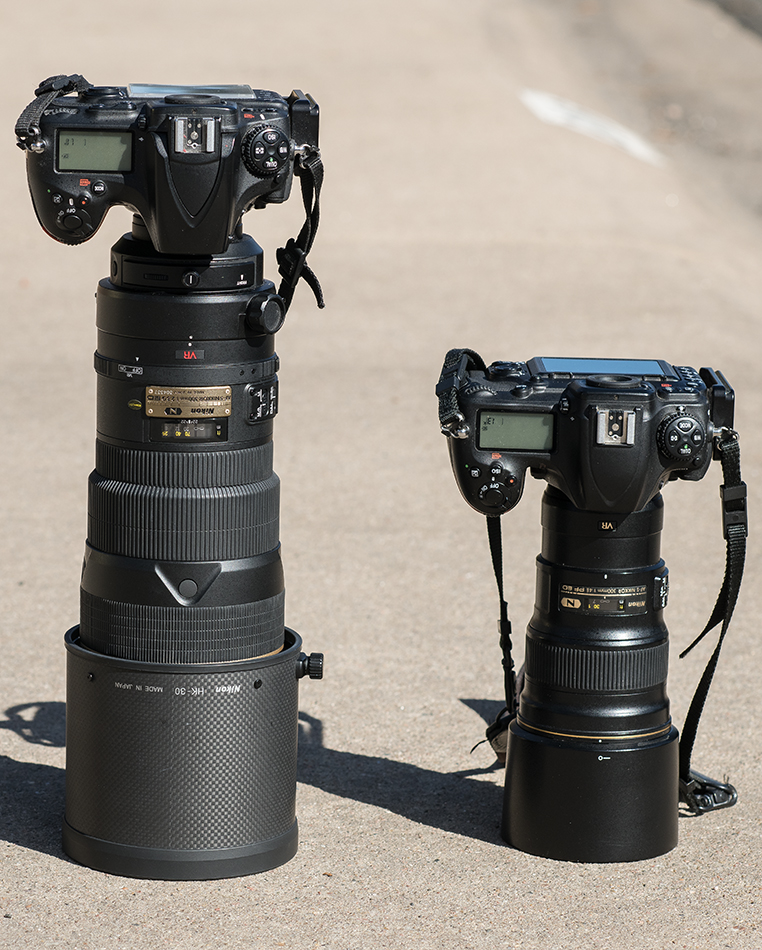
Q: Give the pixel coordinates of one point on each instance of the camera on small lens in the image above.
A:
(592, 770)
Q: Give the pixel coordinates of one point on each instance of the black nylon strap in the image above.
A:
(292, 259)
(27, 126)
(456, 365)
(504, 624)
(735, 520)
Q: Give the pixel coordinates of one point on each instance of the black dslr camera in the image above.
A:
(189, 160)
(181, 675)
(607, 433)
(594, 771)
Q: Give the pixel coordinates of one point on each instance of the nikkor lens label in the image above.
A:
(603, 600)
(209, 402)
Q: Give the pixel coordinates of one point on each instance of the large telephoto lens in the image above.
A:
(182, 561)
(592, 767)
(181, 677)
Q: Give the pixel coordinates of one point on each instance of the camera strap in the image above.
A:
(457, 364)
(494, 534)
(699, 793)
(456, 367)
(28, 124)
(292, 259)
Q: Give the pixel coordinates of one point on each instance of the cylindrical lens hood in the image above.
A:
(178, 772)
(574, 800)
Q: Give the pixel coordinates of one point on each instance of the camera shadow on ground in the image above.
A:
(32, 794)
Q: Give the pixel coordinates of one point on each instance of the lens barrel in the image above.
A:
(182, 561)
(592, 766)
(181, 667)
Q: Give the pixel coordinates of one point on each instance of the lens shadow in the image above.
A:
(31, 805)
(451, 801)
(32, 794)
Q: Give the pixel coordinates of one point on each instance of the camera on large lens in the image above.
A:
(181, 676)
(594, 768)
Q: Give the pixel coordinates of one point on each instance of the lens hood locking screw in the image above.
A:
(266, 313)
(311, 666)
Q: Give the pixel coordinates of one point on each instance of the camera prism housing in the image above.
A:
(592, 768)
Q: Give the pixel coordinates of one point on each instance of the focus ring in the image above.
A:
(596, 670)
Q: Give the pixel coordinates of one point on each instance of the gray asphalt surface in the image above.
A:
(453, 216)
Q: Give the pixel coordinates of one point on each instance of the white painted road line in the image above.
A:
(557, 111)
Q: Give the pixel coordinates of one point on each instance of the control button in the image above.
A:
(57, 199)
(503, 370)
(475, 473)
(188, 588)
(98, 187)
(681, 437)
(265, 151)
(72, 221)
(102, 92)
(191, 278)
(521, 392)
(492, 496)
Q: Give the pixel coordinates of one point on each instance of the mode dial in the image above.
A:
(265, 151)
(681, 437)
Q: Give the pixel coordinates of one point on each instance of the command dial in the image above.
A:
(681, 437)
(265, 151)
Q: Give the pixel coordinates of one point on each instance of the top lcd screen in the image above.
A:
(596, 367)
(94, 151)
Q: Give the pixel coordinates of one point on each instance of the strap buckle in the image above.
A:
(734, 508)
(703, 794)
(291, 260)
(453, 377)
(455, 426)
(451, 420)
(28, 132)
(303, 153)
(31, 139)
(59, 84)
